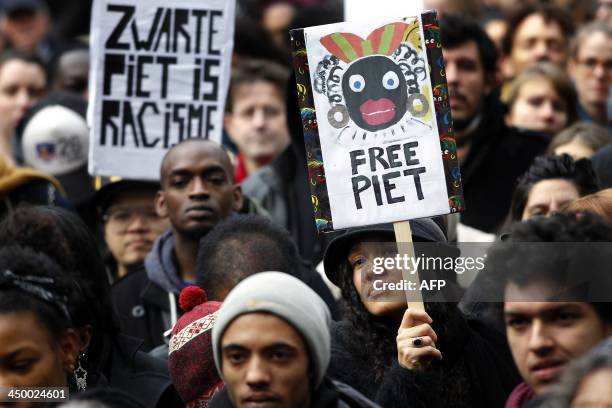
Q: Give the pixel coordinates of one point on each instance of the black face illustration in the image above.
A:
(375, 92)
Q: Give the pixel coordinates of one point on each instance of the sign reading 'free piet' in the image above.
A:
(377, 125)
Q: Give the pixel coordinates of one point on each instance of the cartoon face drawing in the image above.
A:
(374, 86)
(375, 91)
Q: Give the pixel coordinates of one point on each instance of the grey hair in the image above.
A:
(562, 395)
(591, 135)
(586, 31)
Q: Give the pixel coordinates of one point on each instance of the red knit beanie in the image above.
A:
(190, 360)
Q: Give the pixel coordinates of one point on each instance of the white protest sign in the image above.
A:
(159, 74)
(376, 122)
(359, 10)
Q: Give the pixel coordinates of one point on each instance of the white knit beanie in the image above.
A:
(288, 298)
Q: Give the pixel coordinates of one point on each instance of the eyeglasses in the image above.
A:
(124, 216)
(592, 63)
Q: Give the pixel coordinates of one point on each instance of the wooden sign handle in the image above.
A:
(405, 246)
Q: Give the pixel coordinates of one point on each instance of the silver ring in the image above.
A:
(417, 342)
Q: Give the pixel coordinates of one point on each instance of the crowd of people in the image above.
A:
(211, 287)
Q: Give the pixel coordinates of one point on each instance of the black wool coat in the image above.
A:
(498, 156)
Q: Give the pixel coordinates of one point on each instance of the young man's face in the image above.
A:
(198, 189)
(467, 81)
(257, 123)
(265, 363)
(545, 336)
(536, 40)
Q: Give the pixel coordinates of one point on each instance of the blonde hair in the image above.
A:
(557, 78)
(599, 203)
(587, 31)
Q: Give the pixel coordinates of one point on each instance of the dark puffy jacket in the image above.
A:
(146, 300)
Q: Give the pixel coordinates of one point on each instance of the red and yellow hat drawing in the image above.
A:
(349, 47)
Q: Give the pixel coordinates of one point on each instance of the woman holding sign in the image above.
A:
(405, 357)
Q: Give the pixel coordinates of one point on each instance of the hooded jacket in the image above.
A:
(146, 300)
(161, 267)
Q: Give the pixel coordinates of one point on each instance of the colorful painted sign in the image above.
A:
(377, 123)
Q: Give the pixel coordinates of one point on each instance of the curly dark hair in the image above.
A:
(377, 335)
(63, 237)
(22, 261)
(580, 173)
(234, 248)
(559, 227)
(557, 265)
